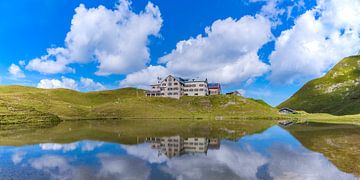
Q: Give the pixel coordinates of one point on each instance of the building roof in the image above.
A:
(185, 80)
(195, 80)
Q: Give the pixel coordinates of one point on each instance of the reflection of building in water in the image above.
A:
(195, 145)
(171, 146)
(214, 143)
(176, 145)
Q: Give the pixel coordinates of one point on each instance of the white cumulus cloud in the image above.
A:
(319, 39)
(15, 71)
(58, 147)
(227, 54)
(22, 63)
(279, 10)
(145, 77)
(17, 157)
(91, 85)
(116, 39)
(55, 83)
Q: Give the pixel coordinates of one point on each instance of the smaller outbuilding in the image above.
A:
(234, 93)
(287, 111)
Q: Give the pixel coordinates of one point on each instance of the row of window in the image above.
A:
(175, 150)
(186, 90)
(170, 145)
(170, 84)
(170, 94)
(187, 85)
(175, 89)
(194, 148)
(194, 85)
(186, 143)
(171, 140)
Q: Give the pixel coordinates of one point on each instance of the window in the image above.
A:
(169, 84)
(194, 85)
(175, 84)
(201, 85)
(201, 89)
(169, 94)
(175, 93)
(164, 84)
(191, 90)
(196, 94)
(169, 89)
(186, 94)
(176, 89)
(196, 89)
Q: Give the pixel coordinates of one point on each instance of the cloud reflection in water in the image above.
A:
(272, 154)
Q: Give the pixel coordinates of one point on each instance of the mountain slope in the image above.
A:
(126, 103)
(337, 93)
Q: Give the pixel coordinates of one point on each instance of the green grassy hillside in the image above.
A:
(337, 93)
(122, 103)
(338, 142)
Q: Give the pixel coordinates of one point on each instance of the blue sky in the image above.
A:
(265, 49)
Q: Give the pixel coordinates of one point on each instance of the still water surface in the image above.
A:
(271, 154)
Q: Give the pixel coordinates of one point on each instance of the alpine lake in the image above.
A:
(179, 149)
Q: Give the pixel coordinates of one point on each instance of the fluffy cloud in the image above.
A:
(113, 167)
(228, 54)
(143, 78)
(58, 147)
(279, 10)
(16, 72)
(116, 39)
(91, 85)
(298, 164)
(85, 84)
(22, 63)
(90, 145)
(57, 167)
(55, 61)
(318, 40)
(55, 83)
(145, 152)
(17, 157)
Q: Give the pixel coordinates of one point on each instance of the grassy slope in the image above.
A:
(339, 143)
(338, 92)
(125, 103)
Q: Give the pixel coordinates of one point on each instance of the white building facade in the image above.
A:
(175, 87)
